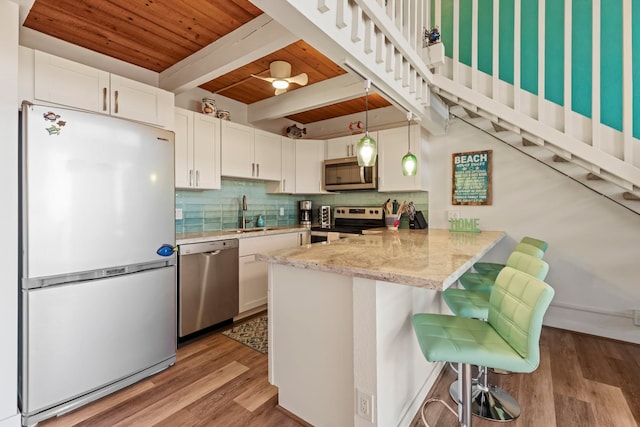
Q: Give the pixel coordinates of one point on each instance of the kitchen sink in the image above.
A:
(249, 230)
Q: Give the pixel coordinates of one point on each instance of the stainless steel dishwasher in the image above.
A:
(208, 284)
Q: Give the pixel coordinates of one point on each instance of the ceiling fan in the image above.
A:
(281, 76)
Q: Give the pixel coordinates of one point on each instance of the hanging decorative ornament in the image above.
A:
(367, 148)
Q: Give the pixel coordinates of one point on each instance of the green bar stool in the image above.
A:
(520, 260)
(494, 268)
(490, 401)
(509, 339)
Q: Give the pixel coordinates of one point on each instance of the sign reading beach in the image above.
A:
(471, 178)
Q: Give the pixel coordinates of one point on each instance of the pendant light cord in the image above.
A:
(366, 110)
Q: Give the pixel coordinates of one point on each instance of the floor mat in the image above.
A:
(252, 333)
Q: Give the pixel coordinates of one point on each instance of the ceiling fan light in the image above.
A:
(280, 84)
(409, 164)
(367, 151)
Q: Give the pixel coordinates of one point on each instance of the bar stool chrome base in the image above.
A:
(493, 403)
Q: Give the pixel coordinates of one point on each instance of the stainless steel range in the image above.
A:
(349, 221)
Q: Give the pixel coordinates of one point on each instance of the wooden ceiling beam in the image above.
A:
(248, 43)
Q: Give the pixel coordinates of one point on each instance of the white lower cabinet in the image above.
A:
(253, 275)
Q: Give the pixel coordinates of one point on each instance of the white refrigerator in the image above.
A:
(98, 270)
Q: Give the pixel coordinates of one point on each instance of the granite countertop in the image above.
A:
(432, 258)
(234, 233)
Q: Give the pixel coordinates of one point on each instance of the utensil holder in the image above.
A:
(390, 221)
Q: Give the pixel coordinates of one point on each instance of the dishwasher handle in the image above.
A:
(212, 253)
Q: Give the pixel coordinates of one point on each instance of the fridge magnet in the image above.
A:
(56, 127)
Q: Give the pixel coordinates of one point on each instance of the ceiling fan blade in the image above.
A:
(268, 79)
(301, 79)
(280, 91)
(280, 69)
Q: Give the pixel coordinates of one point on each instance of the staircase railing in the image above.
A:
(560, 74)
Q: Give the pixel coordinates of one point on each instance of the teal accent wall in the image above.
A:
(581, 49)
(221, 209)
(581, 58)
(446, 28)
(635, 41)
(554, 51)
(611, 63)
(505, 48)
(466, 15)
(485, 36)
(529, 46)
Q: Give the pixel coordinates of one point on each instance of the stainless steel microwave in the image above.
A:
(345, 174)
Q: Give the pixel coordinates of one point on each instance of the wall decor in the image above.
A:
(471, 178)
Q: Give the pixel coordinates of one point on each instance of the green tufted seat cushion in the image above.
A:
(519, 260)
(492, 268)
(508, 340)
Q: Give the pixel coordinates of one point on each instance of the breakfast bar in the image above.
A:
(341, 346)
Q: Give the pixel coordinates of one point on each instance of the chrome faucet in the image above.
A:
(244, 209)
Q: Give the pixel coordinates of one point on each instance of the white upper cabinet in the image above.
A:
(197, 150)
(392, 146)
(137, 101)
(237, 150)
(309, 158)
(267, 151)
(69, 83)
(287, 183)
(344, 146)
(250, 153)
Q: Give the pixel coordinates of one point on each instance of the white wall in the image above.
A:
(9, 214)
(594, 244)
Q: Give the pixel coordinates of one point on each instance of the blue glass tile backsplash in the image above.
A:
(220, 209)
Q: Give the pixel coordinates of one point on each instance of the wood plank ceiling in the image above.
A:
(156, 34)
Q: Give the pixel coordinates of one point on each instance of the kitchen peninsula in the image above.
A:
(340, 321)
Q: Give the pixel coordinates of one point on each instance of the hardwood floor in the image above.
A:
(216, 381)
(582, 381)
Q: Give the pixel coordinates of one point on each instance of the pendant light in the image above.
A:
(409, 161)
(367, 148)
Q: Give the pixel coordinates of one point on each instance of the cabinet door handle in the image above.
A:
(104, 99)
(284, 184)
(197, 178)
(190, 177)
(116, 108)
(257, 169)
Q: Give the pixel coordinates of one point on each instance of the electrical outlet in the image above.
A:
(453, 214)
(178, 213)
(636, 317)
(281, 211)
(364, 403)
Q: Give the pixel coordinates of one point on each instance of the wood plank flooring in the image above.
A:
(582, 381)
(216, 381)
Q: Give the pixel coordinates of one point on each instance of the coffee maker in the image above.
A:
(305, 212)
